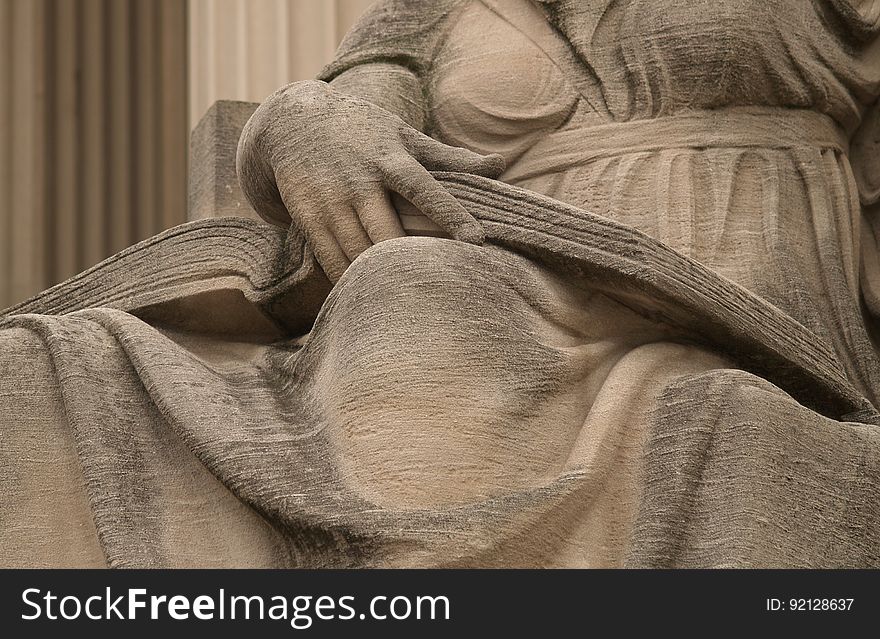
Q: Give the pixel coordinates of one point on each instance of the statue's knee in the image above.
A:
(413, 275)
(417, 257)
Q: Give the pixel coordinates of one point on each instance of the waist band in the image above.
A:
(745, 127)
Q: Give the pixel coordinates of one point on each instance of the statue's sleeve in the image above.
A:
(404, 32)
(865, 162)
(865, 157)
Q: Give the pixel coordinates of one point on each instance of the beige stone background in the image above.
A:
(97, 99)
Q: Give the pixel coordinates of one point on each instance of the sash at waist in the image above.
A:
(735, 127)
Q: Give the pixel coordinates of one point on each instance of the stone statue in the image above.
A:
(638, 327)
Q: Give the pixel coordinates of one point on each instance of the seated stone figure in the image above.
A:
(639, 329)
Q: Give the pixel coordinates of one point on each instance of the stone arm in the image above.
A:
(865, 163)
(329, 157)
(391, 86)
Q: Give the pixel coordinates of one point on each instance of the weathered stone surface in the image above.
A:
(645, 345)
(214, 190)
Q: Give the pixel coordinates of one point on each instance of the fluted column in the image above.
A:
(93, 133)
(245, 49)
(23, 214)
(98, 100)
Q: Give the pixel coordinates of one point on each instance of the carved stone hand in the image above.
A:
(329, 161)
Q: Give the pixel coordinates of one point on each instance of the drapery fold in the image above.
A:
(206, 427)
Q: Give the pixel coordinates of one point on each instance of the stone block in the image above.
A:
(214, 190)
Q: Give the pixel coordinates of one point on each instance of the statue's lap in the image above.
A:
(451, 371)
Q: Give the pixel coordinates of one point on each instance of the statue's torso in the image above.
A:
(719, 128)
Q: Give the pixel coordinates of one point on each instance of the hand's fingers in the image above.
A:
(259, 183)
(350, 234)
(327, 251)
(263, 195)
(379, 217)
(436, 156)
(411, 180)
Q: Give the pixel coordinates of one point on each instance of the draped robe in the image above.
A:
(663, 356)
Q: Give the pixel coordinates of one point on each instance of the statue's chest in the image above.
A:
(644, 58)
(698, 39)
(493, 88)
